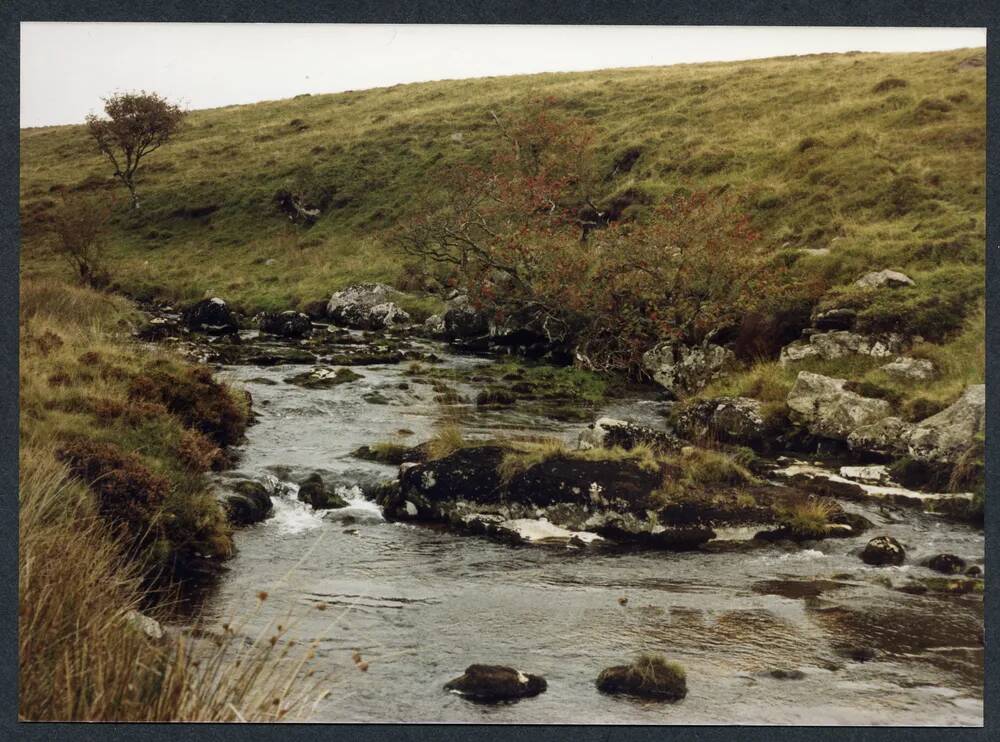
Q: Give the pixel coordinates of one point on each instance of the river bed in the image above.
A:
(420, 603)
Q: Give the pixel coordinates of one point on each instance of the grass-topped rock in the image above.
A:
(656, 497)
(650, 676)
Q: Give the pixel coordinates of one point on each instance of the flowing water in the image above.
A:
(420, 604)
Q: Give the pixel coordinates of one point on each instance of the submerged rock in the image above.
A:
(211, 316)
(315, 492)
(323, 378)
(883, 551)
(648, 677)
(683, 369)
(947, 564)
(495, 683)
(857, 653)
(779, 674)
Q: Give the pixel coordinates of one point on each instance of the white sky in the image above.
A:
(67, 67)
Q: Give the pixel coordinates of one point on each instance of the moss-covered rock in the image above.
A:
(315, 492)
(650, 676)
(496, 683)
(883, 551)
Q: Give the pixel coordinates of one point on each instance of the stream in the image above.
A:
(420, 603)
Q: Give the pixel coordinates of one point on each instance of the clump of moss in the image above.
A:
(650, 676)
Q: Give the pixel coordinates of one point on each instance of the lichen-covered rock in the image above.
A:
(285, 324)
(683, 369)
(839, 343)
(462, 321)
(944, 437)
(884, 437)
(434, 326)
(941, 439)
(608, 432)
(648, 677)
(918, 369)
(495, 683)
(211, 316)
(366, 306)
(728, 419)
(883, 551)
(884, 279)
(144, 624)
(827, 409)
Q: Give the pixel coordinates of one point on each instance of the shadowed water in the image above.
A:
(421, 604)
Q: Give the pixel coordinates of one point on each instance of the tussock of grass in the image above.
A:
(79, 658)
(446, 440)
(808, 516)
(524, 454)
(705, 468)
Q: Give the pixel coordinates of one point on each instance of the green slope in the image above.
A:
(884, 176)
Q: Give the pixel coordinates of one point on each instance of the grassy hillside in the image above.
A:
(877, 159)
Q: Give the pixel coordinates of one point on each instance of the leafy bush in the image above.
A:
(529, 243)
(79, 225)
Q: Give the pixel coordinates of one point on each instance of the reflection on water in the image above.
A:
(421, 604)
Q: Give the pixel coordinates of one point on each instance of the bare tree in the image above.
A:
(78, 225)
(136, 124)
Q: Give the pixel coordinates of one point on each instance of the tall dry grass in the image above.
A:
(80, 658)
